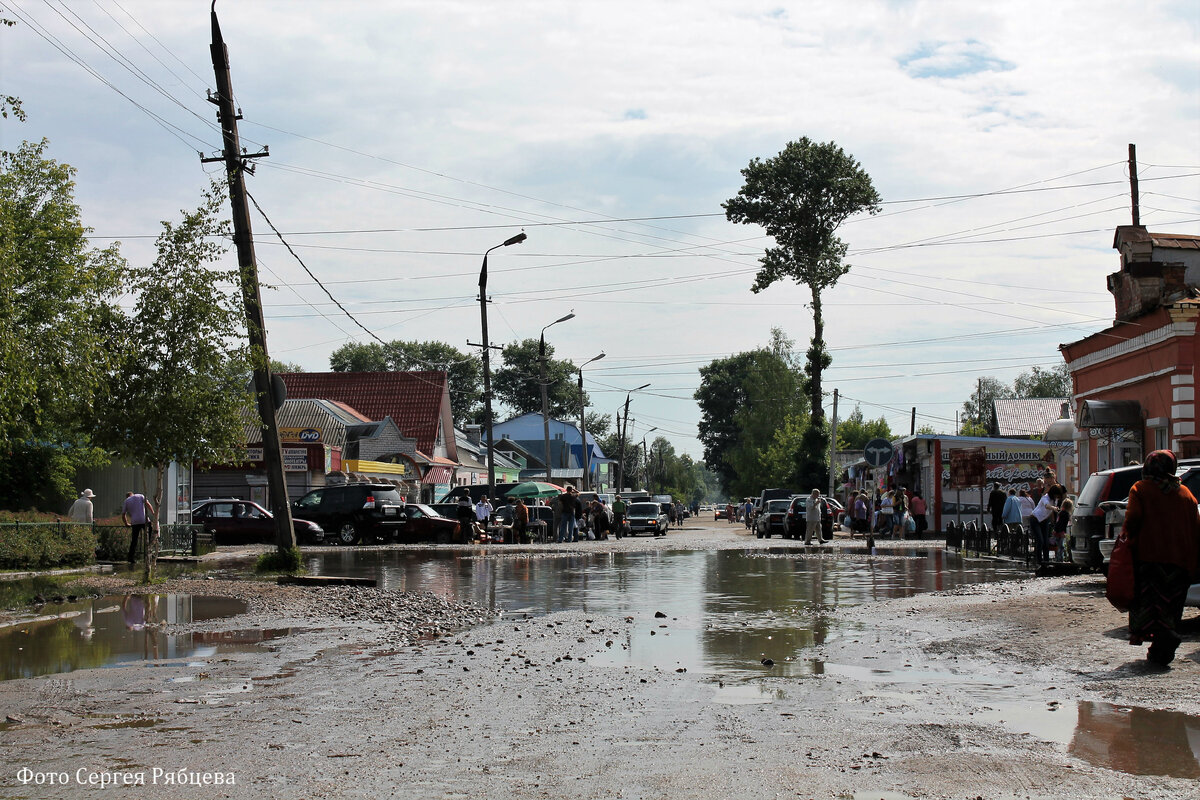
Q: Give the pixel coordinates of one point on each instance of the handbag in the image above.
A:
(1119, 589)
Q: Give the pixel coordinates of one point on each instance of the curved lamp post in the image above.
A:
(624, 431)
(487, 369)
(587, 476)
(545, 400)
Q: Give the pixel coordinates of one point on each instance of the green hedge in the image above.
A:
(112, 542)
(46, 545)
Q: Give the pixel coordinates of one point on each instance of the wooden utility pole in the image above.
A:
(237, 164)
(912, 423)
(624, 433)
(1133, 185)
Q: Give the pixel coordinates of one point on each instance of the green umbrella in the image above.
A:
(534, 489)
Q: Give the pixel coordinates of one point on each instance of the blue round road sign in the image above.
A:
(878, 452)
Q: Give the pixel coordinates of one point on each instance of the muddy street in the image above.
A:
(705, 664)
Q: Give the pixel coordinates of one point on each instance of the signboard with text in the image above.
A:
(1008, 466)
(295, 459)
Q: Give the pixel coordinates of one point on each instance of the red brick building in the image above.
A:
(1134, 383)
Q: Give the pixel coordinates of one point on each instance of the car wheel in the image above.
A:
(347, 534)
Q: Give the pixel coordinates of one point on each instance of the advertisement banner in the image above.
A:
(1014, 466)
(295, 459)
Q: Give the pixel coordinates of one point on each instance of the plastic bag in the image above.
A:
(1119, 590)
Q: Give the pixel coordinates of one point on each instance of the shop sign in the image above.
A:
(307, 435)
(295, 459)
(1014, 466)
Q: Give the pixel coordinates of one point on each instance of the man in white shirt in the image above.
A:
(483, 510)
(812, 518)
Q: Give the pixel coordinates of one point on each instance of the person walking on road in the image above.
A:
(618, 517)
(918, 508)
(812, 518)
(81, 510)
(137, 513)
(1163, 527)
(860, 513)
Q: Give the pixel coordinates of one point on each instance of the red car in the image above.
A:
(238, 521)
(420, 523)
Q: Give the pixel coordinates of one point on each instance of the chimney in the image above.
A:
(474, 433)
(1143, 284)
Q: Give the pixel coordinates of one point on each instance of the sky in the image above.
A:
(407, 138)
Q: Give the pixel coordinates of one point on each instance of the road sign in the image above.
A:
(878, 452)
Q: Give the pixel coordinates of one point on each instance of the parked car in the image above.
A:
(1100, 511)
(797, 518)
(421, 523)
(772, 520)
(232, 520)
(720, 512)
(354, 512)
(646, 518)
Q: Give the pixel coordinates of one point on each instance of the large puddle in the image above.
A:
(119, 629)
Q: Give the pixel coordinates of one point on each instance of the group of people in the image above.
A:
(1044, 510)
(896, 513)
(574, 518)
(137, 514)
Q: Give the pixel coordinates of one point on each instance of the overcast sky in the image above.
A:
(406, 138)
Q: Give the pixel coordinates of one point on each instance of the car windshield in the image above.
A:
(424, 509)
(644, 510)
(777, 506)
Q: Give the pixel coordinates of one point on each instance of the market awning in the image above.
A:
(436, 475)
(1110, 414)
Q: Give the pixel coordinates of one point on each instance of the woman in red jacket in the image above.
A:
(1163, 527)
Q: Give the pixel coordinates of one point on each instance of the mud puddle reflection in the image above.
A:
(120, 629)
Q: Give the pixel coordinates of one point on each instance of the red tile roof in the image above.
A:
(416, 401)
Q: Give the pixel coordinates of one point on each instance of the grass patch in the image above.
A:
(285, 561)
(26, 591)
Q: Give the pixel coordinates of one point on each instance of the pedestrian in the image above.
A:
(137, 513)
(918, 507)
(600, 519)
(520, 520)
(995, 505)
(465, 515)
(1011, 515)
(567, 527)
(1026, 504)
(899, 513)
(861, 513)
(618, 517)
(1163, 527)
(1040, 522)
(672, 514)
(883, 517)
(730, 513)
(577, 503)
(812, 518)
(483, 511)
(1062, 521)
(81, 510)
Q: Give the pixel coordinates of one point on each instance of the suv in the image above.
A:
(354, 511)
(796, 522)
(771, 519)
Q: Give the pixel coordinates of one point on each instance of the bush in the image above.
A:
(112, 542)
(279, 561)
(46, 545)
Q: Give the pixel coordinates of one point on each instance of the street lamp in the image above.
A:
(646, 457)
(587, 482)
(487, 369)
(624, 431)
(545, 400)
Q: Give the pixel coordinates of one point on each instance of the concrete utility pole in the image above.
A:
(487, 364)
(833, 444)
(624, 431)
(237, 164)
(587, 478)
(545, 400)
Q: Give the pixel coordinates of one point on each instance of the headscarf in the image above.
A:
(1160, 467)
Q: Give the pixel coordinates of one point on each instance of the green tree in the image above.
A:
(517, 382)
(744, 399)
(464, 371)
(180, 388)
(58, 315)
(284, 366)
(977, 411)
(854, 432)
(801, 197)
(1038, 382)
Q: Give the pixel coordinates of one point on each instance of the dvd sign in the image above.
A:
(306, 435)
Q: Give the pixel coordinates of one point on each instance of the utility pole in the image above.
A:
(237, 163)
(487, 364)
(833, 444)
(621, 455)
(912, 423)
(621, 465)
(1133, 185)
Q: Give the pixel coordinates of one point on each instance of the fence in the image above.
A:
(1008, 541)
(112, 541)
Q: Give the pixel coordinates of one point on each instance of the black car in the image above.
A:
(797, 518)
(232, 520)
(354, 512)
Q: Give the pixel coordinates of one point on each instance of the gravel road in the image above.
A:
(977, 692)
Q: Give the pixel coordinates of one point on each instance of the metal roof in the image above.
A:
(331, 418)
(1026, 416)
(1176, 241)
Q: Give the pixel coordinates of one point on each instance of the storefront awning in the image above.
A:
(436, 475)
(1110, 414)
